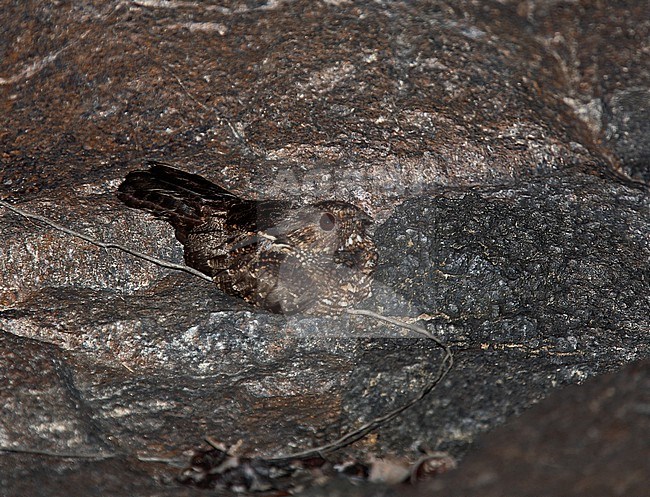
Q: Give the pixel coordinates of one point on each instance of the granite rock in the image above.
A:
(491, 141)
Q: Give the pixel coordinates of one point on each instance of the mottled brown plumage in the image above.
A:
(316, 259)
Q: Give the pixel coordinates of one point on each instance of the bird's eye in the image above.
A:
(327, 222)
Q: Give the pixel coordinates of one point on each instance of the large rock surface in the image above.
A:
(491, 141)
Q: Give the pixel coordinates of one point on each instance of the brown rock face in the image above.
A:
(489, 140)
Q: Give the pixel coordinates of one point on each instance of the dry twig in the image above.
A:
(104, 245)
(360, 432)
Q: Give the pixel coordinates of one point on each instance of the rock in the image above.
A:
(495, 179)
(628, 129)
(573, 443)
(382, 102)
(540, 283)
(601, 51)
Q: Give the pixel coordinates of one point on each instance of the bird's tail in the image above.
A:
(173, 195)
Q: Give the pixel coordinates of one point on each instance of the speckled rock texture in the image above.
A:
(502, 148)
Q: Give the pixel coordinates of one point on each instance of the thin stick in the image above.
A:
(135, 253)
(176, 462)
(363, 430)
(400, 323)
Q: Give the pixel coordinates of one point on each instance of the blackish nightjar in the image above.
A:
(274, 254)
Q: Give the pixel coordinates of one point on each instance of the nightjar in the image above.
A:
(286, 258)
